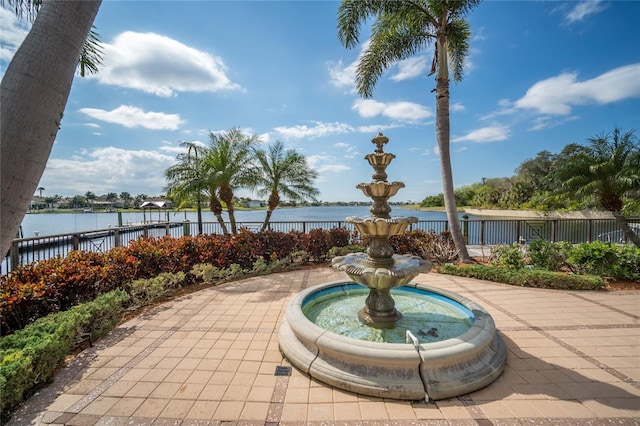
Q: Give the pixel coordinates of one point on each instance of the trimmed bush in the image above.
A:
(30, 357)
(548, 255)
(35, 290)
(539, 278)
(605, 259)
(508, 256)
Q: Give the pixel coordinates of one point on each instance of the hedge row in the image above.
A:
(30, 357)
(54, 285)
(538, 278)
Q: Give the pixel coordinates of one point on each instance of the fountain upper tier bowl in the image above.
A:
(378, 226)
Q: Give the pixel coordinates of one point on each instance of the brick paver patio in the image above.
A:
(210, 358)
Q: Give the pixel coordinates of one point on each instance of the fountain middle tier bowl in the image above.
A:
(428, 367)
(380, 189)
(381, 227)
(362, 270)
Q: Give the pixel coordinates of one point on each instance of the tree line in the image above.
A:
(603, 174)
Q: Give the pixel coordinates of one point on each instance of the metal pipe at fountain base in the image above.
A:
(411, 339)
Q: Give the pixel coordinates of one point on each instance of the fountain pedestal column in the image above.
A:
(380, 309)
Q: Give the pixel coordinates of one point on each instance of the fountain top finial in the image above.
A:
(380, 141)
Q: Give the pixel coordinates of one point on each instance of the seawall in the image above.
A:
(532, 214)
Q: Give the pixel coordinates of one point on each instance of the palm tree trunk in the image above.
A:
(199, 216)
(627, 232)
(226, 195)
(267, 219)
(34, 93)
(443, 136)
(274, 201)
(216, 209)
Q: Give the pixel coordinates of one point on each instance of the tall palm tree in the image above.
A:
(283, 172)
(608, 168)
(402, 28)
(40, 190)
(34, 92)
(185, 179)
(228, 159)
(126, 196)
(89, 196)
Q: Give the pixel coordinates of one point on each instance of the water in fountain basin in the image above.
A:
(429, 316)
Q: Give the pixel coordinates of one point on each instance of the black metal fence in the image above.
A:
(476, 232)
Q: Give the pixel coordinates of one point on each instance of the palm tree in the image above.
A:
(40, 190)
(125, 198)
(34, 92)
(401, 28)
(608, 168)
(185, 179)
(228, 161)
(284, 173)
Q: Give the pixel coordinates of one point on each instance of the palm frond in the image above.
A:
(92, 54)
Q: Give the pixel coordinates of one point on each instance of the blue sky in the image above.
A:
(540, 75)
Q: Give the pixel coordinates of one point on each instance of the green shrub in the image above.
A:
(548, 255)
(35, 290)
(508, 256)
(539, 278)
(343, 251)
(144, 291)
(605, 259)
(30, 357)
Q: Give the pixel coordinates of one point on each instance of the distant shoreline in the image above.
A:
(532, 214)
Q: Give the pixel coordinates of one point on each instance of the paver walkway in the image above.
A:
(210, 358)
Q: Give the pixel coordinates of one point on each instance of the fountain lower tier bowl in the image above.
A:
(363, 270)
(436, 364)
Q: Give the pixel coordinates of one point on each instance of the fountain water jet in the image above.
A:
(439, 366)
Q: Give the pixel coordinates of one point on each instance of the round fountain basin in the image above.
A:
(436, 368)
(429, 316)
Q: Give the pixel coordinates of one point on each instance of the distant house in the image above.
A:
(255, 203)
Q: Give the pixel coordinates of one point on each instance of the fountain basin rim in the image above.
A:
(482, 324)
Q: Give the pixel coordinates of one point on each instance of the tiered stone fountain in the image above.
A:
(448, 345)
(379, 269)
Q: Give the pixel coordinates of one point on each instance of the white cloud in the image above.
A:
(547, 122)
(410, 68)
(343, 77)
(557, 95)
(583, 9)
(317, 130)
(130, 116)
(161, 66)
(404, 111)
(374, 129)
(109, 169)
(323, 164)
(350, 151)
(457, 107)
(13, 30)
(496, 132)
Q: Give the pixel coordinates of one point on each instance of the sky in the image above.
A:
(540, 75)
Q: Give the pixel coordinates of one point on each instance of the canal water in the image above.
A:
(44, 224)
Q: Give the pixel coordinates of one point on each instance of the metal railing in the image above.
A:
(476, 232)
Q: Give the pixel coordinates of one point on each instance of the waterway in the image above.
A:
(44, 224)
